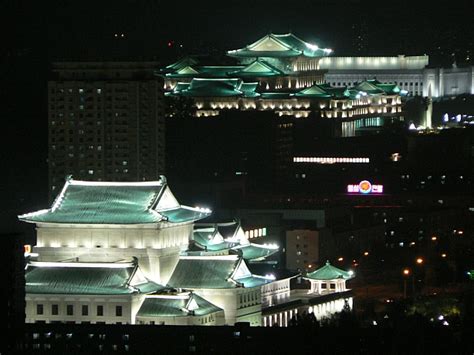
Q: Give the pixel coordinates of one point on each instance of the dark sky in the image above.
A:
(70, 28)
(35, 33)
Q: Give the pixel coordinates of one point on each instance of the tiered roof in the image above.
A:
(258, 68)
(280, 45)
(231, 238)
(87, 278)
(214, 272)
(90, 202)
(199, 87)
(374, 87)
(237, 88)
(329, 272)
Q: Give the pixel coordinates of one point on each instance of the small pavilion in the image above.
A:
(328, 279)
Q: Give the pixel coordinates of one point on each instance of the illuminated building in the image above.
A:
(328, 279)
(120, 253)
(279, 62)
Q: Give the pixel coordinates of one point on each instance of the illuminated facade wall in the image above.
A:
(157, 250)
(239, 304)
(320, 309)
(118, 309)
(368, 106)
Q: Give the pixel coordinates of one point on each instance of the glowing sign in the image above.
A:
(365, 187)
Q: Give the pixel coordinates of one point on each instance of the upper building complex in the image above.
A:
(106, 122)
(284, 61)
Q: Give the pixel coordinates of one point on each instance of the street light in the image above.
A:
(406, 273)
(419, 261)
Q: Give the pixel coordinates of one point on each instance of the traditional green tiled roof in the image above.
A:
(390, 89)
(370, 87)
(210, 238)
(329, 272)
(282, 45)
(181, 305)
(206, 71)
(338, 92)
(254, 281)
(315, 91)
(85, 278)
(204, 236)
(275, 95)
(187, 71)
(214, 272)
(87, 202)
(255, 251)
(249, 89)
(182, 63)
(257, 68)
(232, 87)
(204, 272)
(181, 86)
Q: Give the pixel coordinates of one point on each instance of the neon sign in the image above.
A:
(365, 187)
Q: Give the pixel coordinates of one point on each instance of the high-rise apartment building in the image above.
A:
(106, 122)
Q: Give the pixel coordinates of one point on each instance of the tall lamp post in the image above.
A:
(406, 274)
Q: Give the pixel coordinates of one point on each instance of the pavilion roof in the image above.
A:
(329, 272)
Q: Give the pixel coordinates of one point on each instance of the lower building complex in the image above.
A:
(129, 253)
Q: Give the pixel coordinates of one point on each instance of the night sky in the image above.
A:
(35, 33)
